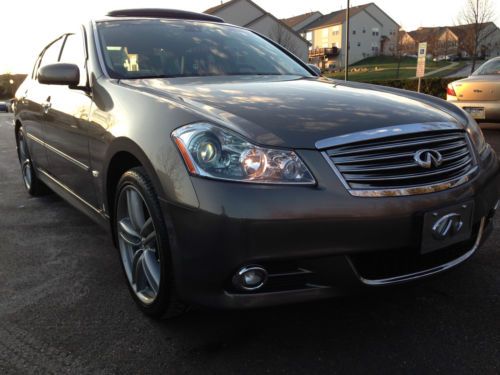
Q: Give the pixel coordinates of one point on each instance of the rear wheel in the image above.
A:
(143, 244)
(33, 185)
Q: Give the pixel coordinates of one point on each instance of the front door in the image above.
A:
(67, 127)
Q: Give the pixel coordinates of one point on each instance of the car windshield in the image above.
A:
(174, 48)
(491, 67)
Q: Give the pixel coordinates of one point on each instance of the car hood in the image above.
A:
(290, 111)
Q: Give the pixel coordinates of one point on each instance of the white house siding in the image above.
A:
(268, 26)
(389, 29)
(239, 13)
(244, 13)
(492, 41)
(363, 42)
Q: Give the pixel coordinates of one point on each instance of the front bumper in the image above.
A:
(316, 242)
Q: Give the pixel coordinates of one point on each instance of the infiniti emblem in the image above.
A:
(428, 158)
(447, 226)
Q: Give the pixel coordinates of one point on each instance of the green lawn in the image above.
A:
(385, 68)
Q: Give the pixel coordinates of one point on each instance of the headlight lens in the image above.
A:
(475, 134)
(211, 151)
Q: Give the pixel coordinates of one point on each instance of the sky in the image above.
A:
(26, 26)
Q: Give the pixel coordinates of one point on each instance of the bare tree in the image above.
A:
(476, 13)
(281, 35)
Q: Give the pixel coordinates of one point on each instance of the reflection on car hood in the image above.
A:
(293, 111)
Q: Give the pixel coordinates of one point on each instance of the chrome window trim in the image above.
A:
(374, 134)
(59, 152)
(428, 272)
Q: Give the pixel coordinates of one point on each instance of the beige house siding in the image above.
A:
(268, 26)
(240, 13)
(247, 14)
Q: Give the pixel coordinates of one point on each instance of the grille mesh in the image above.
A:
(389, 163)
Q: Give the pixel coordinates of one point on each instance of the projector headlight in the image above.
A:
(212, 151)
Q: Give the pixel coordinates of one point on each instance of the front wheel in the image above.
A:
(143, 244)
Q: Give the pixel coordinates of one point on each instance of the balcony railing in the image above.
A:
(315, 52)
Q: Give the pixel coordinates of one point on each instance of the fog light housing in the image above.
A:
(250, 278)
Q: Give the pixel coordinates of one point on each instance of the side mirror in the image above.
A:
(59, 74)
(315, 69)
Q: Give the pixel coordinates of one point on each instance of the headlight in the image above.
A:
(475, 134)
(211, 151)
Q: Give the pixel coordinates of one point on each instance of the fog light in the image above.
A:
(250, 278)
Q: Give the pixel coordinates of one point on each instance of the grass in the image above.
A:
(385, 68)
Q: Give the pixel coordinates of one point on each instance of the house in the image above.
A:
(248, 14)
(441, 41)
(407, 44)
(489, 39)
(372, 32)
(302, 20)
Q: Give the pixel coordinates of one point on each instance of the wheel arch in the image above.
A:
(124, 154)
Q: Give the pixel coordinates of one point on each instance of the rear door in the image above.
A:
(67, 125)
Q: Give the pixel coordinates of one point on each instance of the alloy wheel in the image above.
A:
(138, 244)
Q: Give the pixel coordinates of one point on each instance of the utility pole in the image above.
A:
(346, 63)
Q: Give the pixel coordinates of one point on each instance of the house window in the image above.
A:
(364, 30)
(336, 30)
(375, 31)
(325, 33)
(354, 32)
(359, 44)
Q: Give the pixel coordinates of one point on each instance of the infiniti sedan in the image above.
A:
(230, 175)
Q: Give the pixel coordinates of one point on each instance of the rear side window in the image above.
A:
(74, 53)
(491, 67)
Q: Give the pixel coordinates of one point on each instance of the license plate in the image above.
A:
(446, 227)
(476, 112)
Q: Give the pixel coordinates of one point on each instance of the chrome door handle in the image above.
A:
(46, 107)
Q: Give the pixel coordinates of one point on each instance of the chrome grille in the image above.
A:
(389, 163)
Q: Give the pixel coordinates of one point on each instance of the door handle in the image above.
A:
(46, 107)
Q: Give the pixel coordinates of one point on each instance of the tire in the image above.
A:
(142, 241)
(33, 185)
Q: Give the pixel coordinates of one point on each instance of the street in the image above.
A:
(65, 308)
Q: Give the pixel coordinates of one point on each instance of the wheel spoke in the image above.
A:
(148, 227)
(150, 240)
(138, 269)
(135, 209)
(127, 232)
(151, 270)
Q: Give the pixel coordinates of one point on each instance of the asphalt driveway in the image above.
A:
(65, 308)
